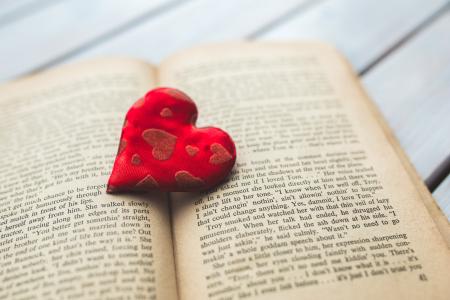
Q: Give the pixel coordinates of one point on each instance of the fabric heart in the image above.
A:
(161, 149)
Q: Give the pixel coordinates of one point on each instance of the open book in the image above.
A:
(322, 203)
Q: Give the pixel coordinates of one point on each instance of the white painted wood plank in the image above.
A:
(59, 28)
(12, 7)
(362, 30)
(442, 195)
(412, 89)
(195, 22)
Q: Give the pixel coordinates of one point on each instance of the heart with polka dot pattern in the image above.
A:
(161, 149)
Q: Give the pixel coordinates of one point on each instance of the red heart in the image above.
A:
(160, 147)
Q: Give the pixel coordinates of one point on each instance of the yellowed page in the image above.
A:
(61, 236)
(320, 204)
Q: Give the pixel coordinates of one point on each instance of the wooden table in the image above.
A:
(400, 48)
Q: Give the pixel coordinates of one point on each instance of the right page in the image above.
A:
(322, 204)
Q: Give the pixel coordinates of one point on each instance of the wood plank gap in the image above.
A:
(414, 31)
(108, 35)
(302, 7)
(26, 10)
(438, 175)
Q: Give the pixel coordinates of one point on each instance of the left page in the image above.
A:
(61, 236)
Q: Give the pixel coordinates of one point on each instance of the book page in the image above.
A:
(61, 236)
(320, 204)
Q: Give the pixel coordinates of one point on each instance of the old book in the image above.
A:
(322, 203)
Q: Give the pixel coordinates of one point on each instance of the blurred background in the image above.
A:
(399, 48)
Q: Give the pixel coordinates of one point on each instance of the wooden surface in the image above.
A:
(400, 48)
(443, 194)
